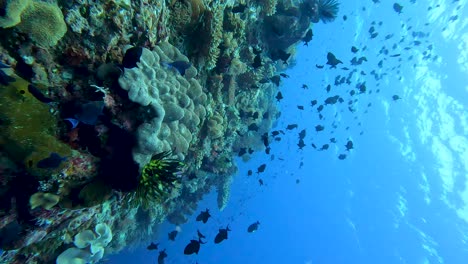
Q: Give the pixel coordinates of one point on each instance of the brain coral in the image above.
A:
(178, 103)
(44, 23)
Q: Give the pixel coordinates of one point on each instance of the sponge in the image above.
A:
(44, 23)
(96, 241)
(44, 200)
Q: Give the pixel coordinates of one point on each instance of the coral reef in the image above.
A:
(182, 87)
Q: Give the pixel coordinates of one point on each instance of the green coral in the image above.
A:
(158, 178)
(13, 10)
(28, 127)
(44, 200)
(44, 23)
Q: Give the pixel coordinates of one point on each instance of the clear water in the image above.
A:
(401, 196)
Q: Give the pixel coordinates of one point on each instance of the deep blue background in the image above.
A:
(386, 202)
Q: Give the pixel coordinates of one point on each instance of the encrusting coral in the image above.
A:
(177, 101)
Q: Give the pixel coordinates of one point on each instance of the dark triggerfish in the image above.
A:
(172, 235)
(193, 247)
(222, 235)
(162, 256)
(152, 246)
(52, 162)
(332, 60)
(253, 227)
(203, 216)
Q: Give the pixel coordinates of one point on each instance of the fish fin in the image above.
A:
(74, 122)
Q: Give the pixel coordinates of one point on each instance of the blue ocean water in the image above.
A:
(400, 196)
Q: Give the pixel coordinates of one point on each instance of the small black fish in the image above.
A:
(279, 96)
(253, 227)
(260, 181)
(396, 97)
(332, 60)
(52, 162)
(87, 113)
(301, 144)
(193, 247)
(239, 8)
(320, 108)
(131, 57)
(284, 75)
(397, 7)
(203, 216)
(291, 126)
(319, 128)
(277, 132)
(349, 145)
(4, 66)
(304, 86)
(222, 235)
(253, 127)
(5, 79)
(332, 140)
(265, 139)
(267, 150)
(362, 87)
(319, 66)
(342, 156)
(280, 54)
(180, 66)
(298, 181)
(302, 134)
(300, 107)
(313, 102)
(261, 168)
(242, 151)
(324, 147)
(38, 94)
(354, 49)
(172, 235)
(162, 256)
(314, 146)
(308, 37)
(276, 80)
(328, 88)
(249, 173)
(257, 63)
(152, 246)
(200, 235)
(332, 100)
